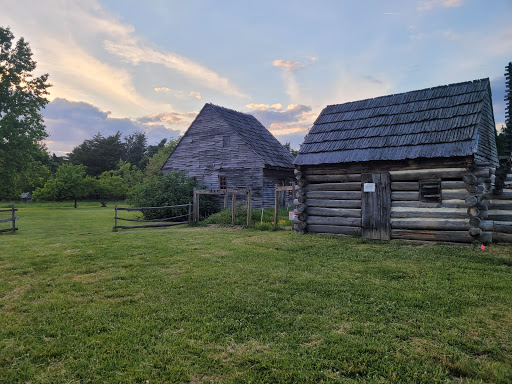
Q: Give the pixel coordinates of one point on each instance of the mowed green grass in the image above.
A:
(80, 303)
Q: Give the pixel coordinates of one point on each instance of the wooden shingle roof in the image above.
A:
(264, 144)
(446, 121)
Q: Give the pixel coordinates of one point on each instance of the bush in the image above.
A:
(173, 188)
(258, 221)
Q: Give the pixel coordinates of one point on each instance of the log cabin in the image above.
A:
(419, 165)
(226, 149)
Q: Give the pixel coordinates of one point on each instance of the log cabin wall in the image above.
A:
(497, 204)
(329, 199)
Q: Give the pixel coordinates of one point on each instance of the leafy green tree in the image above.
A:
(130, 174)
(158, 160)
(98, 154)
(22, 96)
(135, 148)
(501, 141)
(68, 183)
(289, 148)
(107, 187)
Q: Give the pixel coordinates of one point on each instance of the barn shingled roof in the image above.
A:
(271, 151)
(446, 121)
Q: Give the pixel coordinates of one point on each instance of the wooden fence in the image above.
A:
(276, 202)
(224, 192)
(12, 219)
(166, 222)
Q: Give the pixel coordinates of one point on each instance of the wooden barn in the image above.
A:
(419, 165)
(224, 149)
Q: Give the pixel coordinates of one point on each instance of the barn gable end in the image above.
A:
(418, 166)
(222, 145)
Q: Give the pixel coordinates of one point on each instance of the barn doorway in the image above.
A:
(376, 206)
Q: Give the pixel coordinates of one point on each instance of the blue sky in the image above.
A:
(151, 66)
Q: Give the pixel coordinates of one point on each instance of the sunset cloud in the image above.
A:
(287, 65)
(427, 5)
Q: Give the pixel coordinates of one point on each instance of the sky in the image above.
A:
(150, 66)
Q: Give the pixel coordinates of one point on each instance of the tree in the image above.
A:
(68, 183)
(98, 154)
(501, 141)
(158, 160)
(22, 96)
(135, 148)
(107, 187)
(292, 151)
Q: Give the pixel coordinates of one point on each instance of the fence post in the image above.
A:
(13, 219)
(276, 209)
(194, 201)
(233, 203)
(249, 197)
(115, 217)
(189, 213)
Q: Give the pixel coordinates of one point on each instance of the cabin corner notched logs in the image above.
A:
(469, 210)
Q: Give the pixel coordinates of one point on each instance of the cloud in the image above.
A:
(288, 124)
(178, 93)
(69, 123)
(450, 35)
(162, 89)
(427, 5)
(170, 118)
(134, 51)
(195, 95)
(287, 65)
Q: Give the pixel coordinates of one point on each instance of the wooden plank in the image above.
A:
(338, 212)
(9, 229)
(376, 207)
(151, 225)
(334, 187)
(9, 210)
(336, 229)
(334, 203)
(444, 225)
(335, 195)
(453, 185)
(429, 235)
(502, 228)
(326, 220)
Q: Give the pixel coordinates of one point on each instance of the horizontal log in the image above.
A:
(444, 225)
(405, 186)
(8, 230)
(338, 212)
(499, 217)
(440, 213)
(405, 196)
(453, 185)
(475, 189)
(336, 229)
(298, 230)
(420, 204)
(499, 204)
(9, 219)
(426, 235)
(302, 216)
(424, 174)
(299, 224)
(482, 172)
(449, 194)
(484, 237)
(300, 208)
(334, 203)
(334, 187)
(153, 208)
(505, 195)
(472, 200)
(475, 221)
(301, 199)
(325, 220)
(333, 178)
(300, 192)
(474, 212)
(297, 172)
(503, 228)
(9, 210)
(335, 195)
(499, 237)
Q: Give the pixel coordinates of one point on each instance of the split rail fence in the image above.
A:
(12, 219)
(152, 223)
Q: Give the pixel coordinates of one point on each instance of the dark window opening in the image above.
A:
(222, 182)
(430, 191)
(226, 142)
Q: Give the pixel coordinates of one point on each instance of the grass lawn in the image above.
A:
(80, 303)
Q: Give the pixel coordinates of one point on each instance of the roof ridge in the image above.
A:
(415, 90)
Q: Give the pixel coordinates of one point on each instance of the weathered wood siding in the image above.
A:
(329, 198)
(273, 178)
(201, 154)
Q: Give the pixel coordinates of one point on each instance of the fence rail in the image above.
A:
(12, 219)
(153, 223)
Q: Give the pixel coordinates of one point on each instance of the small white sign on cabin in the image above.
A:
(369, 187)
(291, 215)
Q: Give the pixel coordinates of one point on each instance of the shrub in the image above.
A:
(173, 188)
